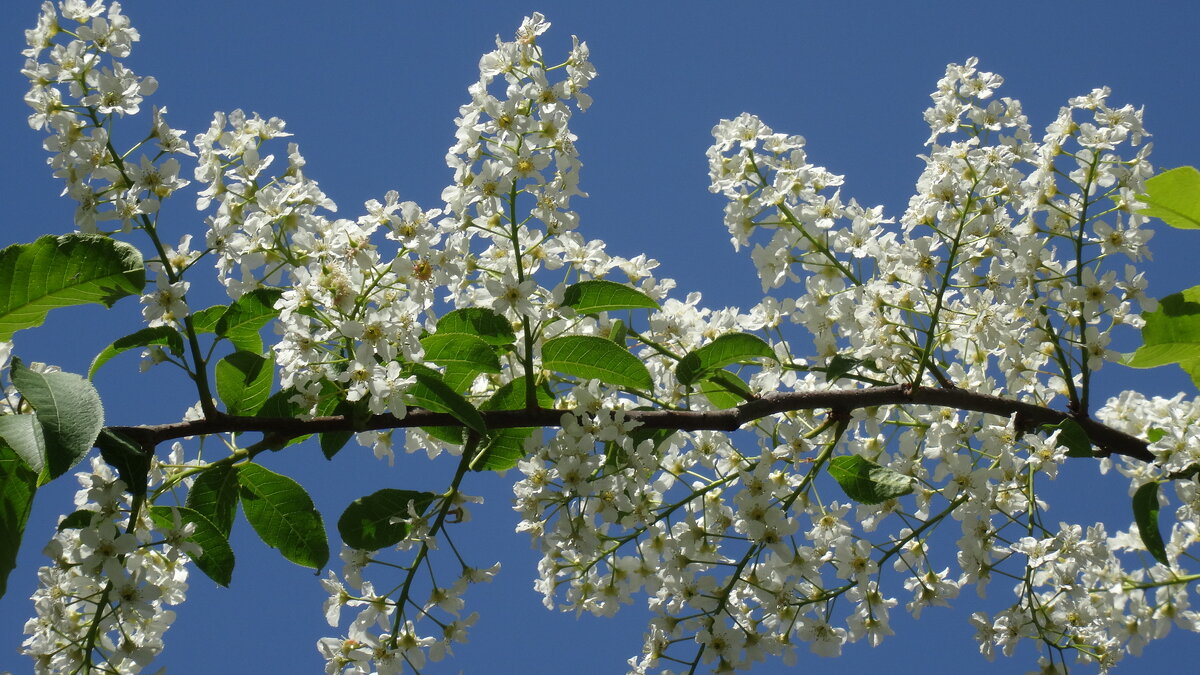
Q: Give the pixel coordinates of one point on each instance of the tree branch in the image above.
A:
(1107, 440)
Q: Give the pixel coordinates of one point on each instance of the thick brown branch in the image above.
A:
(1109, 441)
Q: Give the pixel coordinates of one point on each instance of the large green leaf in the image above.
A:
(241, 323)
(1171, 333)
(1145, 514)
(18, 483)
(216, 556)
(165, 336)
(69, 411)
(244, 382)
(72, 269)
(367, 522)
(1174, 197)
(599, 295)
(866, 482)
(724, 389)
(462, 350)
(214, 495)
(431, 393)
(481, 322)
(23, 434)
(283, 515)
(593, 357)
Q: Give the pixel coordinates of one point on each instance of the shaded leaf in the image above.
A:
(283, 515)
(216, 556)
(244, 382)
(23, 435)
(866, 482)
(431, 393)
(214, 495)
(1145, 514)
(72, 269)
(18, 484)
(1072, 437)
(130, 460)
(600, 295)
(205, 320)
(506, 447)
(366, 522)
(1171, 333)
(593, 357)
(78, 520)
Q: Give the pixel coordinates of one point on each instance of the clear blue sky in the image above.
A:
(370, 90)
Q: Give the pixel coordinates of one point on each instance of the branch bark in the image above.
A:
(1105, 439)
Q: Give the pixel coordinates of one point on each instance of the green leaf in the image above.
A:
(866, 482)
(839, 366)
(23, 435)
(599, 295)
(69, 412)
(724, 389)
(431, 393)
(78, 520)
(1072, 437)
(506, 447)
(244, 382)
(723, 351)
(165, 336)
(333, 441)
(18, 483)
(205, 321)
(72, 269)
(241, 323)
(216, 556)
(593, 357)
(618, 331)
(1174, 197)
(366, 522)
(1145, 514)
(1171, 333)
(283, 515)
(214, 495)
(462, 350)
(480, 322)
(131, 461)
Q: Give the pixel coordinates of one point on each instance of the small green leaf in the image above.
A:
(866, 482)
(216, 556)
(366, 524)
(725, 390)
(1072, 437)
(131, 461)
(244, 382)
(1171, 333)
(283, 515)
(23, 435)
(839, 366)
(72, 269)
(1154, 434)
(1174, 197)
(214, 495)
(241, 323)
(593, 357)
(18, 483)
(460, 349)
(205, 320)
(1145, 514)
(431, 393)
(506, 447)
(333, 441)
(618, 331)
(723, 351)
(164, 336)
(599, 295)
(78, 520)
(480, 322)
(68, 410)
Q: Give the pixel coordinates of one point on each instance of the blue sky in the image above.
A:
(370, 90)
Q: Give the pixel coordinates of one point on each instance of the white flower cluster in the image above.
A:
(103, 601)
